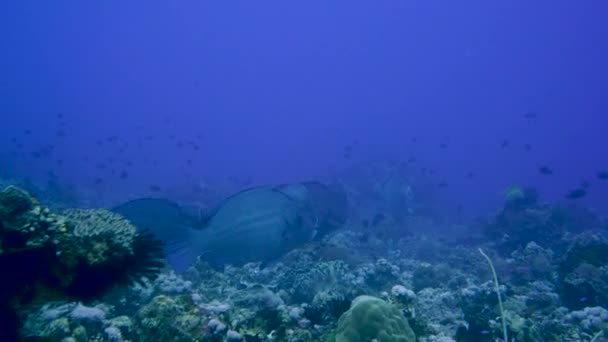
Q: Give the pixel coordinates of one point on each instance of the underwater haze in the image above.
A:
(335, 171)
(189, 92)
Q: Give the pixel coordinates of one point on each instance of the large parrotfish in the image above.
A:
(257, 224)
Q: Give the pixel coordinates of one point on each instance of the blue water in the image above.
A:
(106, 101)
(272, 92)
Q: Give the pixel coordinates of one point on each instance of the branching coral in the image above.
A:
(99, 235)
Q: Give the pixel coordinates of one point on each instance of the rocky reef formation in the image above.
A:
(78, 254)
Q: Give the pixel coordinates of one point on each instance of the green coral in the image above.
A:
(372, 319)
(14, 202)
(99, 235)
(24, 224)
(320, 280)
(169, 319)
(514, 193)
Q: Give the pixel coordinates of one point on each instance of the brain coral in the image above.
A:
(372, 319)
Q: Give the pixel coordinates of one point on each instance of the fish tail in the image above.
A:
(180, 252)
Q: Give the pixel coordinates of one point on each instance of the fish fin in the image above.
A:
(179, 252)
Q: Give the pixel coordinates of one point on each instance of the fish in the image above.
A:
(258, 224)
(504, 143)
(154, 188)
(603, 175)
(531, 116)
(545, 170)
(156, 215)
(576, 194)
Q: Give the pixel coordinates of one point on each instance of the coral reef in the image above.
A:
(79, 255)
(553, 283)
(371, 318)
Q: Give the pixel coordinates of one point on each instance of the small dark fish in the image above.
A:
(443, 145)
(124, 175)
(576, 194)
(545, 170)
(442, 185)
(504, 143)
(155, 188)
(411, 160)
(530, 116)
(194, 146)
(27, 132)
(470, 175)
(603, 175)
(98, 181)
(528, 147)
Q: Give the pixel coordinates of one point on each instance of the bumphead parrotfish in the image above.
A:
(256, 224)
